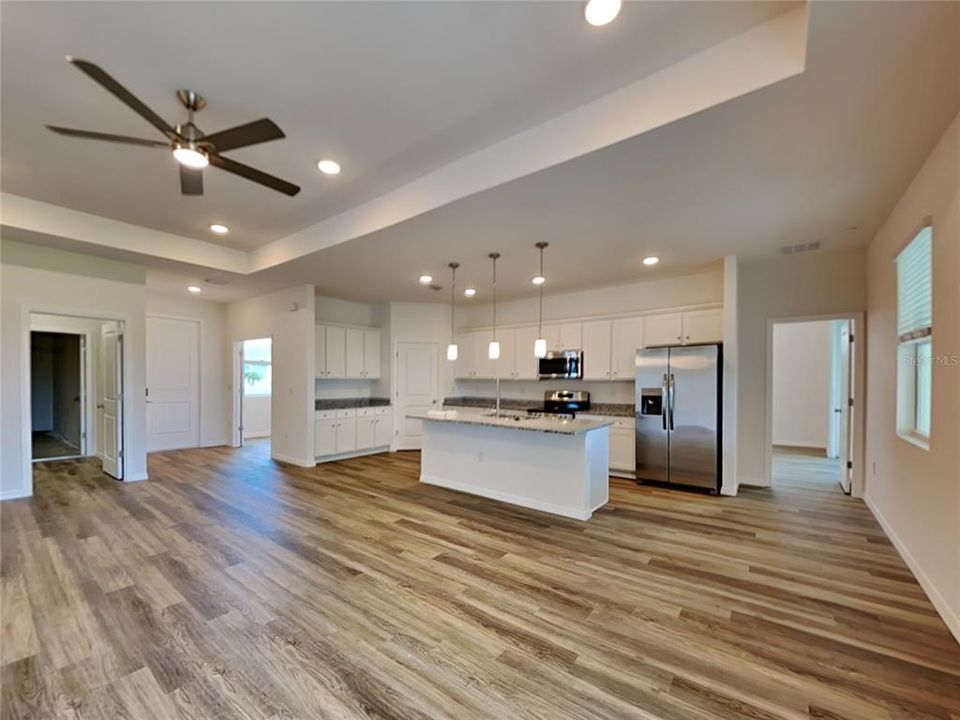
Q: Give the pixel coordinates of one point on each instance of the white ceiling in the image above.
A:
(392, 90)
(800, 160)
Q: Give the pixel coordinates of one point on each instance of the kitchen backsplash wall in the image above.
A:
(600, 392)
(324, 389)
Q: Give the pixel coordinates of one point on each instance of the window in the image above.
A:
(256, 368)
(915, 338)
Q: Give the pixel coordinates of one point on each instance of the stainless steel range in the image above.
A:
(566, 403)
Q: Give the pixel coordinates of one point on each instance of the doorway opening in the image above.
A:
(74, 403)
(253, 370)
(812, 437)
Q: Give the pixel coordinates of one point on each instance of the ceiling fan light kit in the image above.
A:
(192, 149)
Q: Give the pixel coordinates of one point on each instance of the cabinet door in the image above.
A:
(571, 336)
(366, 432)
(662, 330)
(622, 447)
(371, 354)
(354, 353)
(325, 437)
(336, 352)
(346, 434)
(464, 365)
(551, 333)
(320, 350)
(384, 430)
(703, 326)
(507, 364)
(596, 350)
(484, 367)
(627, 339)
(527, 366)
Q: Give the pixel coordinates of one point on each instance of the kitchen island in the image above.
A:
(558, 466)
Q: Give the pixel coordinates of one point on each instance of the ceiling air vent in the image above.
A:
(800, 248)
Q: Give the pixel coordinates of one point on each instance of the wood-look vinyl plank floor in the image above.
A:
(228, 586)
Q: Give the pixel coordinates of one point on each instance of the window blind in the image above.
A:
(915, 287)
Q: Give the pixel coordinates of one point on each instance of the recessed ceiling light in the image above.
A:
(425, 279)
(194, 289)
(329, 167)
(191, 158)
(538, 280)
(469, 292)
(601, 12)
(219, 229)
(651, 260)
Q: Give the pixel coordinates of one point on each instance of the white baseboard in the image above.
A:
(299, 462)
(255, 435)
(356, 453)
(939, 602)
(508, 498)
(15, 494)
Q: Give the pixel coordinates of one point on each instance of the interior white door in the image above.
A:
(111, 408)
(418, 389)
(173, 383)
(846, 408)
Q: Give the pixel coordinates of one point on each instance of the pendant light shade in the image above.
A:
(453, 352)
(493, 350)
(540, 344)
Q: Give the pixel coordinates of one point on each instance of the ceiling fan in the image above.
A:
(192, 149)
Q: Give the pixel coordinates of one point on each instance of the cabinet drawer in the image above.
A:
(326, 414)
(347, 413)
(366, 412)
(384, 410)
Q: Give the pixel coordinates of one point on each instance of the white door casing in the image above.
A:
(173, 383)
(418, 389)
(111, 408)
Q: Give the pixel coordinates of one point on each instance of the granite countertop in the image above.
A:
(343, 403)
(515, 422)
(612, 409)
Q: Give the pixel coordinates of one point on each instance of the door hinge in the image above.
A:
(849, 464)
(850, 402)
(851, 337)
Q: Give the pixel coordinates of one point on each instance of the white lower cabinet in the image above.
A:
(337, 432)
(622, 444)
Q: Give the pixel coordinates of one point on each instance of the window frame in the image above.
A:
(914, 380)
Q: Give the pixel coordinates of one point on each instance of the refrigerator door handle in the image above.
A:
(665, 400)
(672, 390)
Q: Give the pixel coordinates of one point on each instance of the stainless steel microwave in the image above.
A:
(561, 364)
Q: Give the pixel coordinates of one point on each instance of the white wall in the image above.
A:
(25, 288)
(801, 383)
(256, 416)
(914, 492)
(818, 283)
(287, 317)
(215, 365)
(642, 296)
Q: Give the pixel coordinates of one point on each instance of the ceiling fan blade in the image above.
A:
(88, 135)
(191, 181)
(259, 131)
(258, 176)
(98, 75)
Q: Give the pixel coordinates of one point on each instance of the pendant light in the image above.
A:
(540, 344)
(493, 350)
(452, 350)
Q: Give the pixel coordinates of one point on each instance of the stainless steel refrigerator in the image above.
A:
(678, 414)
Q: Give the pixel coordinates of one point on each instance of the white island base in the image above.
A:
(564, 472)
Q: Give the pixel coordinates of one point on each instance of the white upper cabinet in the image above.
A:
(571, 336)
(527, 366)
(347, 352)
(336, 352)
(687, 328)
(627, 339)
(507, 364)
(354, 353)
(596, 347)
(464, 366)
(483, 366)
(703, 326)
(371, 354)
(664, 329)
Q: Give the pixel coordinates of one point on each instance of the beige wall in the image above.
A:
(914, 492)
(819, 283)
(801, 383)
